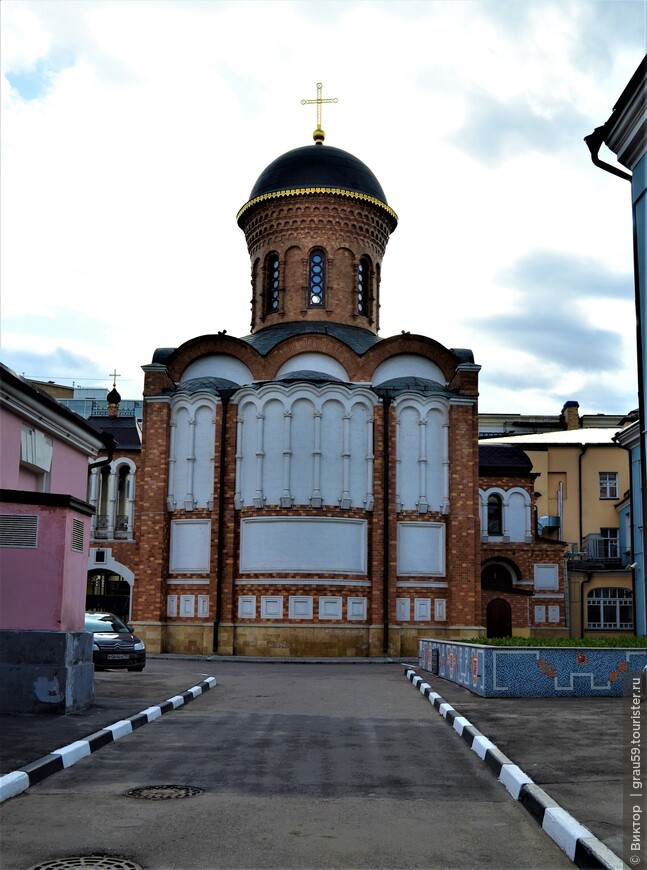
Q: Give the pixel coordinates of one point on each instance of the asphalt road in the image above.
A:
(302, 766)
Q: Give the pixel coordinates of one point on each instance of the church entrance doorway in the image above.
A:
(498, 618)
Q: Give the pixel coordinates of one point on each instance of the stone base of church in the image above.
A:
(180, 638)
(294, 641)
(301, 641)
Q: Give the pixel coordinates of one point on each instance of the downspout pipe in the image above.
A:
(579, 487)
(225, 396)
(111, 446)
(387, 547)
(386, 396)
(594, 142)
(589, 577)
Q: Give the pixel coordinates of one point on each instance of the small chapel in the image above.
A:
(312, 488)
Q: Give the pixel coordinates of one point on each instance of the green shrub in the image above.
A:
(601, 641)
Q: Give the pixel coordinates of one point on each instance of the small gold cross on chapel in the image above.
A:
(319, 134)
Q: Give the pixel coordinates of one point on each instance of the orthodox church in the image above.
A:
(313, 488)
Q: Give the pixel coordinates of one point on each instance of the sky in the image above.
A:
(133, 131)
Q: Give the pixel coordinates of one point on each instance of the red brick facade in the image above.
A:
(384, 609)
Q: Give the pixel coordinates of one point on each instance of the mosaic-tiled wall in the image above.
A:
(535, 672)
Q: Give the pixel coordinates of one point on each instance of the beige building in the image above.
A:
(582, 479)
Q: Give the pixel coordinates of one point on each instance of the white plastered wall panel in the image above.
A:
(312, 545)
(518, 510)
(191, 453)
(305, 445)
(422, 454)
(332, 445)
(421, 549)
(303, 441)
(190, 546)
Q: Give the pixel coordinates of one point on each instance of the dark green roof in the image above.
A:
(358, 339)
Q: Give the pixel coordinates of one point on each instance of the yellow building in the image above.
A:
(582, 479)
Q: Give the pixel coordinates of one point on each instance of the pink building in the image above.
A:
(45, 654)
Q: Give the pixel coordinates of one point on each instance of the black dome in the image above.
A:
(318, 166)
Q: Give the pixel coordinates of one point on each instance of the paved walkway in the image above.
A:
(571, 747)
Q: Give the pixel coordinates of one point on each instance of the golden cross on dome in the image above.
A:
(319, 134)
(114, 377)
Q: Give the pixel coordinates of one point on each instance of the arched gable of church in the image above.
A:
(214, 346)
(414, 346)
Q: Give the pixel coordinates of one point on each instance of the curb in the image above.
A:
(582, 847)
(18, 781)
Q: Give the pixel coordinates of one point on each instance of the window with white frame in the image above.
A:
(610, 543)
(608, 484)
(609, 608)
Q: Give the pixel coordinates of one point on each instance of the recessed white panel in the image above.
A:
(356, 608)
(247, 607)
(300, 607)
(203, 605)
(540, 613)
(516, 520)
(171, 605)
(304, 544)
(440, 610)
(330, 607)
(553, 613)
(421, 549)
(271, 607)
(190, 546)
(547, 577)
(402, 608)
(187, 605)
(422, 609)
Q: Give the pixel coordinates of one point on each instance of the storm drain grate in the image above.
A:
(90, 862)
(163, 792)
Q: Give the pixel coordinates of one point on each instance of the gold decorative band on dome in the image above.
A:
(335, 191)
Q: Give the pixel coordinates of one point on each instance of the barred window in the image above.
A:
(363, 278)
(610, 608)
(272, 282)
(317, 279)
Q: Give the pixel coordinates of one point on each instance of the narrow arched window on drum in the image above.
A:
(317, 279)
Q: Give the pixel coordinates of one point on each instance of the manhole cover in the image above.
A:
(163, 792)
(98, 862)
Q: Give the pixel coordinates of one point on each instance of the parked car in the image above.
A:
(115, 645)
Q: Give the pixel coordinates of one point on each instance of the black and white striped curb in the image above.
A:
(581, 846)
(14, 783)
